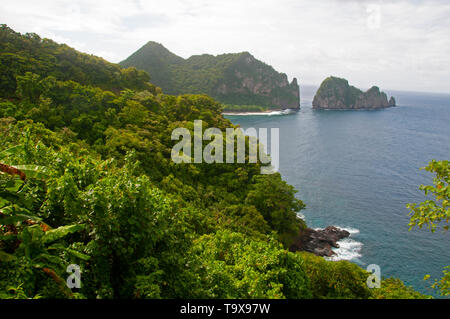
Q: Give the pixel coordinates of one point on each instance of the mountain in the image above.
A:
(234, 78)
(336, 93)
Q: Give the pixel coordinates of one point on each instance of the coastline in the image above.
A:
(266, 112)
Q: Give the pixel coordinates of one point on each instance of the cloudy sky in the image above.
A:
(395, 44)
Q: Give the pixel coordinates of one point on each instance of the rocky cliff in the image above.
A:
(236, 78)
(319, 242)
(336, 93)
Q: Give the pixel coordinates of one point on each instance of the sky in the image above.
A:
(394, 44)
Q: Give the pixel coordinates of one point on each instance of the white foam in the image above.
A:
(283, 112)
(352, 231)
(349, 249)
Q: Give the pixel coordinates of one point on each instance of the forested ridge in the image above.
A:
(237, 79)
(87, 178)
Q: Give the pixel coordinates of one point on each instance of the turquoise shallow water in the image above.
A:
(358, 170)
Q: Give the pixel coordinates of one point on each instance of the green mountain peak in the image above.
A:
(231, 78)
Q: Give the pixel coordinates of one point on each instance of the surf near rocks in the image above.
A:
(319, 241)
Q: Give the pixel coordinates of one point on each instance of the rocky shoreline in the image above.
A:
(319, 242)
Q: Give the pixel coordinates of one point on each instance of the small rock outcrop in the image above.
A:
(319, 242)
(336, 94)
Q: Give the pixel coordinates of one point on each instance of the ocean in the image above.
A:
(358, 169)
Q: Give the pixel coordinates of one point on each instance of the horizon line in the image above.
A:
(384, 90)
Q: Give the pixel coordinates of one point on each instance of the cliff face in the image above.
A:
(249, 81)
(336, 93)
(237, 78)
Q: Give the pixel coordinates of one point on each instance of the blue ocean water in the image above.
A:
(359, 169)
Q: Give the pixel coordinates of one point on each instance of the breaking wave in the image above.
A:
(282, 112)
(301, 216)
(349, 248)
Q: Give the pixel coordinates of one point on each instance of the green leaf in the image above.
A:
(13, 214)
(4, 257)
(14, 185)
(12, 150)
(49, 260)
(8, 237)
(33, 171)
(3, 202)
(77, 254)
(12, 219)
(60, 232)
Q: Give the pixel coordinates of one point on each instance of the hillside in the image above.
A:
(236, 79)
(86, 179)
(30, 53)
(336, 93)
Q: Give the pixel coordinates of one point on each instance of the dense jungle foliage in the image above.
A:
(86, 178)
(244, 108)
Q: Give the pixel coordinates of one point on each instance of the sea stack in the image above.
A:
(336, 94)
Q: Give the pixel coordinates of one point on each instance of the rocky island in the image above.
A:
(336, 94)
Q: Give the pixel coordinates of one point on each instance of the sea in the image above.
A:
(359, 169)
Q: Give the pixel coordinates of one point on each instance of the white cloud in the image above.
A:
(409, 49)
